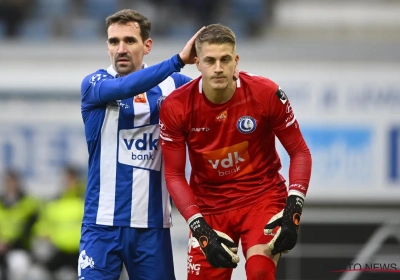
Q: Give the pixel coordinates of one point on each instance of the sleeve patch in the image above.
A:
(97, 77)
(281, 95)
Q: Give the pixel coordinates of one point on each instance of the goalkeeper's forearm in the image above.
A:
(177, 185)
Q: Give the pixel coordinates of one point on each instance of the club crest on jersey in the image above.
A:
(246, 124)
(160, 100)
(281, 95)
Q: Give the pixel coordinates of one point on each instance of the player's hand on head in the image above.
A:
(288, 221)
(219, 249)
(189, 51)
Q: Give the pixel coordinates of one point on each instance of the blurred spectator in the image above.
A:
(57, 232)
(74, 184)
(18, 212)
(203, 12)
(12, 15)
(250, 17)
(51, 19)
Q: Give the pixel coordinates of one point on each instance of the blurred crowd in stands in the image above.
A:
(39, 239)
(85, 19)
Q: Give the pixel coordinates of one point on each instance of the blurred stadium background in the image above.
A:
(338, 61)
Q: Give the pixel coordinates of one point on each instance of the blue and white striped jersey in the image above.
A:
(126, 185)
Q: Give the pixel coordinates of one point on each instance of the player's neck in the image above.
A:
(219, 96)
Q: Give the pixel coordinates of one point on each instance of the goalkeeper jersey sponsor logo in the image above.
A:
(229, 162)
(223, 116)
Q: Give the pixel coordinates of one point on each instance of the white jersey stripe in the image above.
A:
(108, 166)
(167, 86)
(142, 110)
(140, 197)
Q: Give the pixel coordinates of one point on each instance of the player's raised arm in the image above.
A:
(287, 130)
(102, 88)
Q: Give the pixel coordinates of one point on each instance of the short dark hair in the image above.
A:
(216, 34)
(127, 15)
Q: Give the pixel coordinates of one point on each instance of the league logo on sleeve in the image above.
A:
(281, 95)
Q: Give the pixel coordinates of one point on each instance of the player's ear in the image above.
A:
(197, 61)
(148, 44)
(108, 50)
(237, 59)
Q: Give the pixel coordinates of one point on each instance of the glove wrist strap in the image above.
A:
(294, 204)
(195, 216)
(294, 192)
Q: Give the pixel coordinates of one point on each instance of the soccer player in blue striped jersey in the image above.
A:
(127, 215)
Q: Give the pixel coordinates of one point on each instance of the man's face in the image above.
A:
(217, 64)
(126, 47)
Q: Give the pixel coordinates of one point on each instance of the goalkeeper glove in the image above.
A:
(288, 219)
(218, 248)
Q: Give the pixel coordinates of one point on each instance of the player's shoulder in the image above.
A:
(180, 79)
(184, 92)
(177, 75)
(98, 72)
(262, 86)
(96, 76)
(258, 82)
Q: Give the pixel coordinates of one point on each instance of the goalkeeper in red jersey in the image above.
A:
(236, 191)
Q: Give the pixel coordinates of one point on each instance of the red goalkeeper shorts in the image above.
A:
(246, 223)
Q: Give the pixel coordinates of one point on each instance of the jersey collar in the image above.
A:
(112, 72)
(201, 85)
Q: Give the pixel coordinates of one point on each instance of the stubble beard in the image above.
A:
(126, 69)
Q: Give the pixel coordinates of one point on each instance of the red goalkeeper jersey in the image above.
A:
(231, 146)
